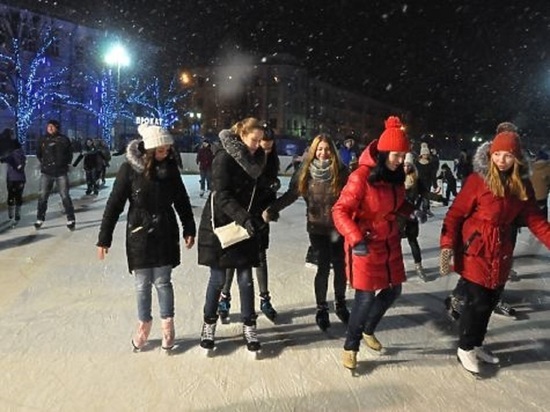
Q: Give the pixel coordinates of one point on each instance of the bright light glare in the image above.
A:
(117, 56)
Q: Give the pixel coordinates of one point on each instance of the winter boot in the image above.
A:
(372, 342)
(251, 337)
(11, 210)
(38, 224)
(349, 359)
(321, 317)
(207, 335)
(420, 272)
(504, 309)
(468, 360)
(142, 334)
(17, 213)
(267, 307)
(224, 305)
(71, 224)
(486, 355)
(342, 311)
(168, 333)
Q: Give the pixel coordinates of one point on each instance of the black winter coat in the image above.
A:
(234, 174)
(55, 154)
(152, 231)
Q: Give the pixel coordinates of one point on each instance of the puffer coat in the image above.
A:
(367, 211)
(152, 231)
(235, 172)
(478, 226)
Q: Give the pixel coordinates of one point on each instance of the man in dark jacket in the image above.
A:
(54, 152)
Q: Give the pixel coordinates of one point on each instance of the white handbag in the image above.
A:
(231, 233)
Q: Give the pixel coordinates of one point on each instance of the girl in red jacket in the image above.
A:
(477, 230)
(365, 214)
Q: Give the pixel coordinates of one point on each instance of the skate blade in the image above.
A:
(209, 352)
(255, 354)
(225, 321)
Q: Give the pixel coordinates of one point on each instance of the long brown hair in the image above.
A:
(511, 184)
(246, 126)
(303, 177)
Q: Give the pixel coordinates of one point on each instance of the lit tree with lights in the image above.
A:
(30, 82)
(158, 102)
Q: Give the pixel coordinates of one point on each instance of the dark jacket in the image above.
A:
(93, 157)
(234, 173)
(55, 153)
(16, 161)
(152, 231)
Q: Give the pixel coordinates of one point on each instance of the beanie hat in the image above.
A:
(424, 149)
(154, 136)
(506, 142)
(393, 139)
(55, 123)
(409, 158)
(506, 127)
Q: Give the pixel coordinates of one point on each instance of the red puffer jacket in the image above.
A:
(366, 211)
(478, 227)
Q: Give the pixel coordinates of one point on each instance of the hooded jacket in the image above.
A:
(235, 172)
(152, 231)
(478, 226)
(367, 212)
(55, 154)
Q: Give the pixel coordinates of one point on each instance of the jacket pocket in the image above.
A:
(474, 245)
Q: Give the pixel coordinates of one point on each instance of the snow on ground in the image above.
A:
(67, 320)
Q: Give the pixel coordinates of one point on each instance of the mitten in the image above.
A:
(445, 261)
(360, 249)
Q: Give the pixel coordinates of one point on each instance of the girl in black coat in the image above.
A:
(151, 183)
(236, 193)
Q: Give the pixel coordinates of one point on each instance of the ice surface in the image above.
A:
(67, 320)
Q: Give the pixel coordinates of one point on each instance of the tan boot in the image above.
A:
(372, 342)
(168, 333)
(142, 334)
(349, 359)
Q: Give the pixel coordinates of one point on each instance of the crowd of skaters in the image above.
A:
(359, 205)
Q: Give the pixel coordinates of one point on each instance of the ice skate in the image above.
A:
(71, 224)
(38, 224)
(372, 342)
(349, 359)
(251, 338)
(266, 307)
(485, 355)
(142, 334)
(420, 272)
(168, 334)
(224, 305)
(468, 360)
(207, 337)
(504, 309)
(342, 311)
(453, 307)
(321, 317)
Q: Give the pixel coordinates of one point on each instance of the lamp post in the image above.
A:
(117, 56)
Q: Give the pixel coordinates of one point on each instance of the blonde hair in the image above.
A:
(245, 126)
(303, 177)
(512, 184)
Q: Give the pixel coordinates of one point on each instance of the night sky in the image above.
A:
(458, 66)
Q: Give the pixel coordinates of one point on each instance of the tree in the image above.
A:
(30, 82)
(158, 102)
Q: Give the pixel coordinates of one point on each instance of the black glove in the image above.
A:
(254, 226)
(360, 249)
(275, 185)
(270, 215)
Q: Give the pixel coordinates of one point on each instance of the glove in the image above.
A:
(360, 249)
(270, 215)
(445, 261)
(275, 185)
(421, 215)
(254, 226)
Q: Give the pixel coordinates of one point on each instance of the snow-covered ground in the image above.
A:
(67, 320)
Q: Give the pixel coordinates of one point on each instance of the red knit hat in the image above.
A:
(393, 139)
(506, 142)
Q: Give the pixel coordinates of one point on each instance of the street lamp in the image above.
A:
(117, 56)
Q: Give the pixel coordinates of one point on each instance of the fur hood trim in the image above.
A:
(134, 155)
(254, 164)
(482, 158)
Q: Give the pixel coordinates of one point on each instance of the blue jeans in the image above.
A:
(46, 186)
(205, 177)
(161, 277)
(367, 311)
(246, 292)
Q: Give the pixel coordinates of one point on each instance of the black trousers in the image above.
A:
(478, 305)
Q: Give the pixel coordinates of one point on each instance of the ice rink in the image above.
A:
(67, 319)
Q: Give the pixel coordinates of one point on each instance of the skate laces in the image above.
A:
(250, 333)
(208, 331)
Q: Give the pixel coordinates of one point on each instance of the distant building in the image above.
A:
(280, 91)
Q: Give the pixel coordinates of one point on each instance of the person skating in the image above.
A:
(365, 214)
(93, 164)
(150, 182)
(478, 231)
(15, 158)
(204, 160)
(319, 181)
(55, 153)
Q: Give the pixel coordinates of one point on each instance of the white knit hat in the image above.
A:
(409, 158)
(424, 149)
(154, 136)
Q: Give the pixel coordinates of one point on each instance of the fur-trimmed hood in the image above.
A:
(482, 158)
(254, 164)
(134, 155)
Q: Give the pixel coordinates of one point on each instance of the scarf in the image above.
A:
(320, 169)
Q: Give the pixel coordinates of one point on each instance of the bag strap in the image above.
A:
(212, 204)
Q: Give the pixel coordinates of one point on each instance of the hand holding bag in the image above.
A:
(231, 233)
